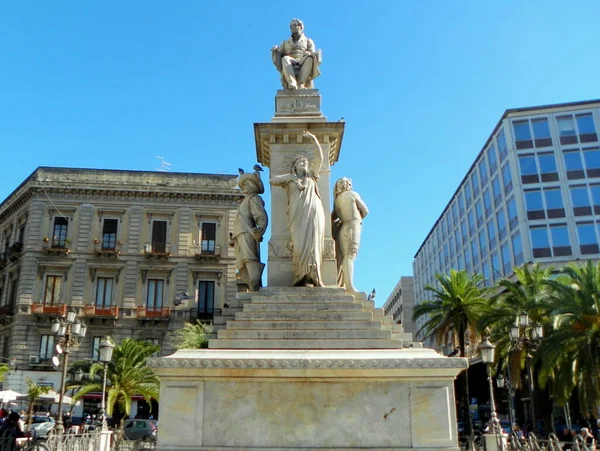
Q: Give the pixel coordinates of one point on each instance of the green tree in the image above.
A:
(4, 368)
(192, 336)
(527, 292)
(454, 312)
(127, 375)
(569, 356)
(34, 392)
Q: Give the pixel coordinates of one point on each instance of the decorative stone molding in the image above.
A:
(308, 363)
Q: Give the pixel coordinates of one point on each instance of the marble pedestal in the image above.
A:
(386, 399)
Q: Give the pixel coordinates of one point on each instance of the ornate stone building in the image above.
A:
(117, 246)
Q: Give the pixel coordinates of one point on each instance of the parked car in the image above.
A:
(42, 426)
(138, 429)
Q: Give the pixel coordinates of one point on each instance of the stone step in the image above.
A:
(402, 336)
(260, 298)
(349, 334)
(230, 311)
(304, 316)
(305, 344)
(302, 306)
(321, 292)
(302, 325)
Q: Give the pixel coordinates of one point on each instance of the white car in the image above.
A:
(41, 426)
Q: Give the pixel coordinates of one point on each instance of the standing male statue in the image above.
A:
(306, 217)
(296, 59)
(348, 213)
(248, 229)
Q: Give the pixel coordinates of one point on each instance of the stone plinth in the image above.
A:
(298, 106)
(277, 146)
(307, 399)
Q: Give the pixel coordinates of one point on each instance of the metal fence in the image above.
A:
(552, 443)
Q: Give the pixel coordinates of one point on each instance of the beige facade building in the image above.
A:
(400, 303)
(117, 246)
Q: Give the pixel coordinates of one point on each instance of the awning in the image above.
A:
(9, 395)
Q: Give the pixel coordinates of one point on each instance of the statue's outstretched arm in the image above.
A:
(317, 160)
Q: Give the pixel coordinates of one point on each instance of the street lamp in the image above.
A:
(105, 350)
(502, 382)
(524, 335)
(487, 355)
(69, 332)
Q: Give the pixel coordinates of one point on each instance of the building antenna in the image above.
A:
(164, 166)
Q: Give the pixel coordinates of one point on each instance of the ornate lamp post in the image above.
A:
(105, 351)
(487, 355)
(69, 332)
(528, 336)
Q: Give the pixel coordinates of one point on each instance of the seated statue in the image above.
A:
(296, 59)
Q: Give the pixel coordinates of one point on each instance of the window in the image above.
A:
(547, 164)
(496, 264)
(534, 205)
(517, 249)
(507, 179)
(591, 156)
(566, 130)
(479, 213)
(104, 290)
(159, 237)
(487, 275)
(468, 260)
(483, 172)
(511, 206)
(463, 228)
(491, 227)
(497, 192)
(492, 159)
(53, 289)
(554, 203)
(109, 234)
(461, 202)
(475, 183)
(468, 194)
(59, 232)
(206, 297)
(522, 134)
(471, 219)
(528, 167)
(46, 347)
(580, 200)
(574, 165)
(96, 348)
(455, 213)
(154, 296)
(208, 237)
(588, 243)
(22, 233)
(587, 130)
(502, 149)
(501, 225)
(595, 190)
(560, 240)
(460, 264)
(541, 132)
(487, 203)
(540, 243)
(506, 263)
(475, 252)
(457, 238)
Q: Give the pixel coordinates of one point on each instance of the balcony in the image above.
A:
(107, 248)
(163, 313)
(14, 252)
(204, 254)
(157, 249)
(56, 246)
(49, 309)
(101, 312)
(6, 313)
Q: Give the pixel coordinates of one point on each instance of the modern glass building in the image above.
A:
(532, 194)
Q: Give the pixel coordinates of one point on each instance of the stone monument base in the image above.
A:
(382, 399)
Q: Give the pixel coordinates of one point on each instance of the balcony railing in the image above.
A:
(153, 313)
(107, 248)
(101, 311)
(49, 309)
(157, 249)
(206, 254)
(56, 246)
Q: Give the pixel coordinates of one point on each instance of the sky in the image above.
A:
(421, 85)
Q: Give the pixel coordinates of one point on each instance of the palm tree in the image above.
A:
(569, 355)
(34, 392)
(454, 312)
(127, 375)
(528, 292)
(192, 336)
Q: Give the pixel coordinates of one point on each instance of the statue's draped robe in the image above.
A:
(306, 223)
(251, 214)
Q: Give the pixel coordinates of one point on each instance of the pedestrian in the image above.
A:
(588, 438)
(10, 431)
(567, 437)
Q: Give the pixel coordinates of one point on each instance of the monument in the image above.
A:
(308, 363)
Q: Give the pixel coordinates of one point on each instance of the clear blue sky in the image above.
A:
(420, 84)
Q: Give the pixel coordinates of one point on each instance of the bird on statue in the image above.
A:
(257, 168)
